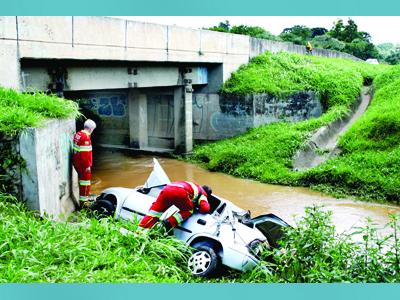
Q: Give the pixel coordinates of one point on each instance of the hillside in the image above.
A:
(266, 153)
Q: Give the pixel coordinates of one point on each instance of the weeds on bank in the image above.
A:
(313, 252)
(369, 165)
(18, 110)
(37, 249)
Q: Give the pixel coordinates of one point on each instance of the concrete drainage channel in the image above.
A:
(323, 143)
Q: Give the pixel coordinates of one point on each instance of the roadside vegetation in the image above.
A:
(341, 37)
(369, 166)
(18, 110)
(38, 249)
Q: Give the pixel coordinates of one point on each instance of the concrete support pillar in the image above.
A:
(183, 114)
(143, 131)
(138, 133)
(179, 124)
(188, 116)
(133, 108)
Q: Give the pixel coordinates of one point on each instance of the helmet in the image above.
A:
(90, 124)
(207, 189)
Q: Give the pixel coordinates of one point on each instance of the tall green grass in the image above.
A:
(266, 153)
(37, 249)
(314, 252)
(370, 164)
(18, 110)
(34, 249)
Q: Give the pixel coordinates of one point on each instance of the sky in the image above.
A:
(381, 29)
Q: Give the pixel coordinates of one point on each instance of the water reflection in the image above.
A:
(118, 169)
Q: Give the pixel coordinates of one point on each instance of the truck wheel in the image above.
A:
(103, 208)
(204, 262)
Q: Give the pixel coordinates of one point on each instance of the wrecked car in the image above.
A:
(226, 236)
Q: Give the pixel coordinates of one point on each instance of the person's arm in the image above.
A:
(204, 206)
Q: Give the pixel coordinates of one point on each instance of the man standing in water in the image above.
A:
(82, 160)
(186, 196)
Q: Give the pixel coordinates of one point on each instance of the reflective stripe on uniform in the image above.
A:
(153, 213)
(84, 182)
(78, 148)
(195, 189)
(83, 198)
(176, 185)
(203, 198)
(85, 148)
(178, 217)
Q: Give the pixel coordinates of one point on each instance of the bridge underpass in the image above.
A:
(142, 106)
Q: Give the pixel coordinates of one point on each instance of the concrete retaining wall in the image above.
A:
(217, 117)
(258, 46)
(49, 184)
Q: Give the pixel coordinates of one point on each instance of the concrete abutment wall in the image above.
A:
(48, 182)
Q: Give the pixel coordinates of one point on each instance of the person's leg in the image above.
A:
(179, 217)
(156, 210)
(184, 204)
(84, 188)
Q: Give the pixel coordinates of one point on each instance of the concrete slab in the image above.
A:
(99, 31)
(8, 27)
(9, 63)
(45, 29)
(212, 41)
(146, 35)
(183, 39)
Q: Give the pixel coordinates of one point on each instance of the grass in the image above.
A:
(18, 111)
(369, 166)
(35, 249)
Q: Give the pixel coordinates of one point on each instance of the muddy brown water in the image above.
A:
(118, 169)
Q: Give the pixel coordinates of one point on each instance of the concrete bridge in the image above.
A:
(149, 86)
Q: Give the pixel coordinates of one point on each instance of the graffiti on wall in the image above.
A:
(223, 116)
(106, 105)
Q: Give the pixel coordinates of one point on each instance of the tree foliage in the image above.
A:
(253, 31)
(358, 43)
(297, 34)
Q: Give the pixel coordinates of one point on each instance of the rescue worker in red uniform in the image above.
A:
(186, 196)
(82, 160)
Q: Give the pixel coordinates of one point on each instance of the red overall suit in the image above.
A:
(184, 195)
(82, 160)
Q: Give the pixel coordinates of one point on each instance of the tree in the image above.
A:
(253, 31)
(316, 31)
(358, 43)
(328, 42)
(222, 27)
(393, 58)
(362, 49)
(336, 31)
(297, 34)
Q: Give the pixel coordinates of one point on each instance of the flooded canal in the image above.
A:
(118, 169)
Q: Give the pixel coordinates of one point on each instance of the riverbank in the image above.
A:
(367, 167)
(85, 250)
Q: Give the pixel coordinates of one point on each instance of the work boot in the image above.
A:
(85, 204)
(168, 227)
